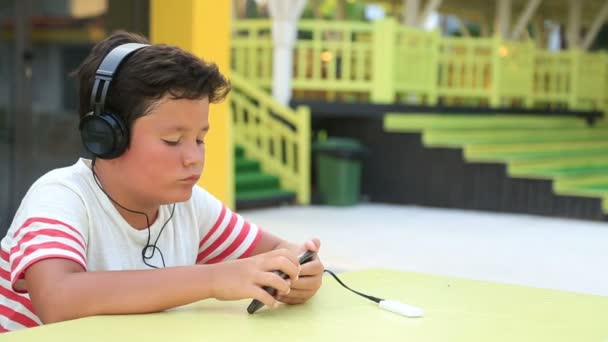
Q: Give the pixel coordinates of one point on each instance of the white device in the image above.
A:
(401, 309)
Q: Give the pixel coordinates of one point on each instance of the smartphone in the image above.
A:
(256, 304)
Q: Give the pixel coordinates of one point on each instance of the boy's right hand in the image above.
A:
(244, 278)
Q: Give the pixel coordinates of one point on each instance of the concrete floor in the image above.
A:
(550, 253)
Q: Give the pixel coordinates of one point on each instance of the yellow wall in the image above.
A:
(203, 28)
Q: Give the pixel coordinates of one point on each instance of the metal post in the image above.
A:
(410, 12)
(599, 20)
(524, 18)
(285, 15)
(431, 6)
(574, 23)
(503, 18)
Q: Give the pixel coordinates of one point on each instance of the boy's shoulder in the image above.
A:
(201, 197)
(72, 177)
(205, 205)
(59, 195)
(67, 185)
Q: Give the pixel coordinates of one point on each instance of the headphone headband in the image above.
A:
(108, 67)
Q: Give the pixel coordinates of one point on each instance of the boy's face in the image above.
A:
(167, 152)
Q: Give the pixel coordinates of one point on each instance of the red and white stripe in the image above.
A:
(37, 239)
(231, 237)
(16, 311)
(42, 238)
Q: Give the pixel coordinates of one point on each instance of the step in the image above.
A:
(243, 165)
(255, 181)
(437, 138)
(531, 156)
(586, 179)
(550, 171)
(561, 161)
(598, 190)
(408, 123)
(263, 198)
(239, 152)
(533, 151)
(589, 183)
(536, 146)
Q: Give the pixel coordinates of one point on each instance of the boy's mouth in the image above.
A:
(191, 179)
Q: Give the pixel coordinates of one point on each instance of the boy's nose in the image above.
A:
(193, 155)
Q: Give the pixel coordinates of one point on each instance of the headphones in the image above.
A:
(105, 134)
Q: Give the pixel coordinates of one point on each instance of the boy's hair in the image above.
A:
(148, 75)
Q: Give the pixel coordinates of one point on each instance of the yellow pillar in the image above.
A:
(203, 28)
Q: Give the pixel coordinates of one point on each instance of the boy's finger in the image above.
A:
(296, 296)
(307, 283)
(264, 297)
(312, 268)
(312, 245)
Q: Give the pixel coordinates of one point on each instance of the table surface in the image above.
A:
(455, 310)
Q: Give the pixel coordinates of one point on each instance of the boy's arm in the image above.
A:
(269, 242)
(61, 290)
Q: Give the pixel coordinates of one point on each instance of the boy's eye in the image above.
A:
(171, 142)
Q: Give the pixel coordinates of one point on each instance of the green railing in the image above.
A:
(588, 77)
(333, 57)
(514, 63)
(571, 78)
(465, 68)
(349, 57)
(552, 78)
(252, 51)
(384, 62)
(414, 62)
(275, 135)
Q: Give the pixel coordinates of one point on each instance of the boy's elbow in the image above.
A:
(53, 290)
(51, 318)
(51, 313)
(53, 307)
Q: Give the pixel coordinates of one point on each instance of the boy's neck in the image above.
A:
(114, 188)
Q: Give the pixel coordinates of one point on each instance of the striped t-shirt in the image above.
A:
(65, 215)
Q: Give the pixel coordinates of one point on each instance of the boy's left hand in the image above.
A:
(310, 278)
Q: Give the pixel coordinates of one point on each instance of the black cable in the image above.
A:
(372, 298)
(154, 247)
(144, 257)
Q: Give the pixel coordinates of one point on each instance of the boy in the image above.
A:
(129, 232)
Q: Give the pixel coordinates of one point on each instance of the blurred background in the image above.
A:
(394, 114)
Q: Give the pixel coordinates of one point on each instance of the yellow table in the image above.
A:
(455, 310)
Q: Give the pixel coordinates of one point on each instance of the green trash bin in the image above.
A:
(339, 170)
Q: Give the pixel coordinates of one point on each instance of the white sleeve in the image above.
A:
(225, 235)
(50, 223)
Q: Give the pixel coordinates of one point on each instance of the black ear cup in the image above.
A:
(104, 135)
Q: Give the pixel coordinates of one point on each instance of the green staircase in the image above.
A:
(254, 188)
(563, 150)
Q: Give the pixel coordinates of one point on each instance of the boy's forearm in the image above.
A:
(85, 294)
(267, 243)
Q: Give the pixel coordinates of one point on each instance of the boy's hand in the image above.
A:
(309, 281)
(244, 278)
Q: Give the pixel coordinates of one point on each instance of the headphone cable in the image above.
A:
(144, 256)
(372, 298)
(386, 304)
